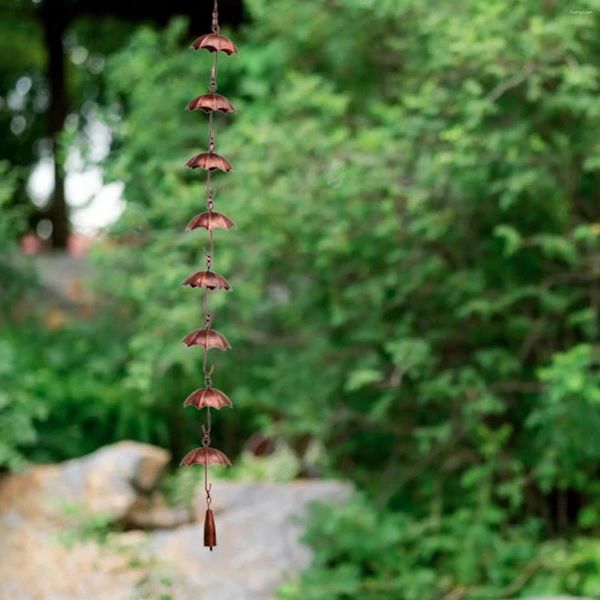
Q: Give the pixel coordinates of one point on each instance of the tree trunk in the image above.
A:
(54, 19)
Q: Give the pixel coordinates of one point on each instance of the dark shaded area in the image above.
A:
(55, 18)
(231, 12)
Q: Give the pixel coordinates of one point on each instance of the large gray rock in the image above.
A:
(107, 482)
(258, 533)
(258, 527)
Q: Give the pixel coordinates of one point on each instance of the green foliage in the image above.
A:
(19, 409)
(414, 268)
(565, 422)
(59, 397)
(15, 274)
(85, 526)
(362, 552)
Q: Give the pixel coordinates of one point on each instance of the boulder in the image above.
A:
(259, 526)
(107, 482)
(44, 556)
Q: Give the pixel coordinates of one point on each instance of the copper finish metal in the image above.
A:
(209, 161)
(211, 220)
(205, 456)
(210, 530)
(207, 338)
(214, 42)
(207, 279)
(211, 102)
(208, 397)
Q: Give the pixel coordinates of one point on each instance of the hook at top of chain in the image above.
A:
(215, 18)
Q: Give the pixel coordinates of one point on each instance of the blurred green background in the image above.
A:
(415, 266)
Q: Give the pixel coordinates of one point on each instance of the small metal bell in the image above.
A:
(210, 531)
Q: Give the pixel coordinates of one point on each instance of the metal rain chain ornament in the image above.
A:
(209, 397)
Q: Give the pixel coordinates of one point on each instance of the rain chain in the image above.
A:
(209, 397)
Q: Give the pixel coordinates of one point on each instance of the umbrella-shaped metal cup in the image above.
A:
(207, 338)
(207, 279)
(208, 397)
(211, 102)
(211, 220)
(209, 161)
(214, 42)
(205, 456)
